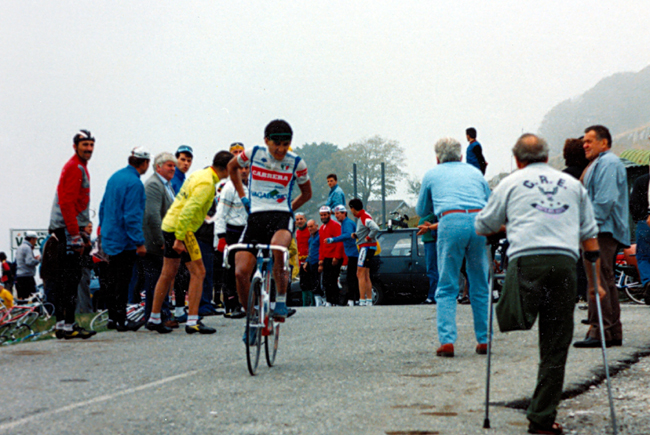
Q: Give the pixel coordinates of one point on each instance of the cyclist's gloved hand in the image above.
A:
(329, 240)
(247, 204)
(76, 241)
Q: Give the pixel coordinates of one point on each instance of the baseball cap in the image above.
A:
(185, 149)
(340, 208)
(31, 234)
(141, 153)
(325, 209)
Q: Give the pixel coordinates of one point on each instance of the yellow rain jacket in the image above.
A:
(192, 203)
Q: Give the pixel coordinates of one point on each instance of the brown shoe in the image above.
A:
(446, 350)
(481, 348)
(171, 323)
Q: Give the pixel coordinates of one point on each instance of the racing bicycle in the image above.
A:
(259, 320)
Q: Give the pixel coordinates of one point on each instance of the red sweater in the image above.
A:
(302, 240)
(333, 250)
(70, 208)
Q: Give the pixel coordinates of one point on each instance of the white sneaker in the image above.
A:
(327, 304)
(362, 302)
(350, 303)
(319, 301)
(368, 302)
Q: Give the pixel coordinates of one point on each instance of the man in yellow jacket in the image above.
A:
(183, 218)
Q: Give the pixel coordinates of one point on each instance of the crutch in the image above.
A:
(491, 241)
(602, 342)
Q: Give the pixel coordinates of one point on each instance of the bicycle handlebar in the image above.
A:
(259, 247)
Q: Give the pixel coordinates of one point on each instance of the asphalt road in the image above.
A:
(345, 370)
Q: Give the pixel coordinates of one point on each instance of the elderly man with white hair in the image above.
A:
(456, 192)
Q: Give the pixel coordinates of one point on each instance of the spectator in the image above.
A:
(576, 162)
(541, 277)
(6, 297)
(121, 215)
(639, 213)
(313, 293)
(302, 242)
(26, 264)
(70, 212)
(159, 197)
(330, 256)
(366, 237)
(606, 182)
(183, 218)
(8, 273)
(184, 156)
(84, 301)
(429, 241)
(455, 192)
(205, 237)
(351, 252)
(336, 195)
(230, 221)
(475, 151)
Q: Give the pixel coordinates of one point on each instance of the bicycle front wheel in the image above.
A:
(99, 321)
(253, 335)
(271, 342)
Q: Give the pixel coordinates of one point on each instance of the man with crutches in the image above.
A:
(547, 215)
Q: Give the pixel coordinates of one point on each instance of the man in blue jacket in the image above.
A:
(350, 247)
(120, 219)
(336, 195)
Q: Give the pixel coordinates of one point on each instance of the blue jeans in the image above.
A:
(431, 258)
(457, 239)
(207, 252)
(643, 250)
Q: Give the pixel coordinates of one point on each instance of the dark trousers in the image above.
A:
(609, 305)
(181, 284)
(230, 298)
(330, 281)
(207, 252)
(25, 286)
(136, 285)
(547, 288)
(120, 269)
(68, 274)
(151, 268)
(353, 281)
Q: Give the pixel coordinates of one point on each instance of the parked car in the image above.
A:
(398, 273)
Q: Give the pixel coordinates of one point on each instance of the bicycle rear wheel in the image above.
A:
(271, 342)
(252, 326)
(99, 321)
(21, 332)
(636, 293)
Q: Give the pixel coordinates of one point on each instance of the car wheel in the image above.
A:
(378, 295)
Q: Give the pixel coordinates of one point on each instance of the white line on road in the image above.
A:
(99, 399)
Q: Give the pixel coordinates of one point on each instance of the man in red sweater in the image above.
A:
(69, 213)
(331, 255)
(302, 240)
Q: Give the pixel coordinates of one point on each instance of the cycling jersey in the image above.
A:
(189, 209)
(271, 181)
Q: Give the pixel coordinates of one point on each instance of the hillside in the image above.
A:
(621, 102)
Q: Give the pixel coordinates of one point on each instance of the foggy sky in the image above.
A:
(159, 74)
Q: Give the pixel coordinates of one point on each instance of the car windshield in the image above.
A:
(395, 244)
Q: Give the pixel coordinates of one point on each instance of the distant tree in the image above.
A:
(414, 186)
(368, 154)
(315, 154)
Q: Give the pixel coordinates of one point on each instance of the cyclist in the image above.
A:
(366, 237)
(184, 217)
(273, 171)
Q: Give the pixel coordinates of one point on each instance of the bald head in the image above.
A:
(530, 149)
(312, 227)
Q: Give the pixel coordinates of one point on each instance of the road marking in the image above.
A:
(99, 399)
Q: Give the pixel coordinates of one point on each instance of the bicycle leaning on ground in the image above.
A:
(16, 323)
(134, 313)
(259, 318)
